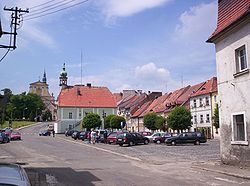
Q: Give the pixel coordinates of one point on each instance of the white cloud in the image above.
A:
(197, 23)
(151, 72)
(121, 8)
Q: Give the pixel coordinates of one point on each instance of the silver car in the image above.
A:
(13, 174)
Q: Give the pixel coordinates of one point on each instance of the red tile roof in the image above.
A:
(208, 87)
(118, 97)
(229, 13)
(84, 96)
(140, 111)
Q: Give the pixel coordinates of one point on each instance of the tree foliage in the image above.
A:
(107, 121)
(179, 118)
(149, 120)
(91, 120)
(47, 116)
(216, 117)
(23, 105)
(160, 123)
(115, 122)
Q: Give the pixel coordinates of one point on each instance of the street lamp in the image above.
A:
(23, 112)
(103, 116)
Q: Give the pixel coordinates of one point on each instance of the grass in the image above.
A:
(17, 124)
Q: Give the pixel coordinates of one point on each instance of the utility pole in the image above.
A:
(16, 14)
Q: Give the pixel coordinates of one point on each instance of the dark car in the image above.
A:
(187, 137)
(75, 135)
(70, 132)
(13, 174)
(132, 138)
(83, 135)
(162, 138)
(4, 138)
(44, 133)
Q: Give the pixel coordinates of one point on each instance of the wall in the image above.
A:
(234, 95)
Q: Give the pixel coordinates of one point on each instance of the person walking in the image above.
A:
(93, 136)
(53, 132)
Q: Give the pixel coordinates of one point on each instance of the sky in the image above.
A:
(149, 45)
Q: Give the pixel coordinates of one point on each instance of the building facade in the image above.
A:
(232, 43)
(41, 88)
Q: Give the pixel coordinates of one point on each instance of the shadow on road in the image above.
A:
(60, 176)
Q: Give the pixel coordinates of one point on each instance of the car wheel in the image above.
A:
(146, 142)
(158, 141)
(131, 143)
(121, 145)
(173, 143)
(197, 142)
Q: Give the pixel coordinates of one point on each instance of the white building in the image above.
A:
(202, 105)
(232, 43)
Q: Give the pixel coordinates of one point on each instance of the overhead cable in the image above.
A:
(49, 13)
(34, 7)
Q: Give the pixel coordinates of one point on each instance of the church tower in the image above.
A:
(44, 77)
(63, 78)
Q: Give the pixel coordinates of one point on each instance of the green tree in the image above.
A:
(149, 120)
(179, 119)
(216, 118)
(4, 100)
(160, 123)
(47, 116)
(107, 121)
(115, 122)
(91, 120)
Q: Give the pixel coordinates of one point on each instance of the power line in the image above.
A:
(56, 10)
(42, 4)
(50, 7)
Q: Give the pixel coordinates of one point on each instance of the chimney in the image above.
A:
(89, 85)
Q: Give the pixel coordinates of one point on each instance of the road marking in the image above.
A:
(101, 149)
(227, 180)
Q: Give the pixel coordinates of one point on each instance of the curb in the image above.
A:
(28, 126)
(222, 172)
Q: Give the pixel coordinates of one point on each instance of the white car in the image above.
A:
(13, 174)
(156, 134)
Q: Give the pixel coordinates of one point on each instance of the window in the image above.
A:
(215, 100)
(80, 114)
(195, 119)
(201, 119)
(194, 103)
(207, 100)
(207, 118)
(239, 127)
(70, 115)
(201, 102)
(241, 59)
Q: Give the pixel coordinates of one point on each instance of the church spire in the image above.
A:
(44, 77)
(63, 77)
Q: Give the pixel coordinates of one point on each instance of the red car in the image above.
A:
(112, 137)
(15, 135)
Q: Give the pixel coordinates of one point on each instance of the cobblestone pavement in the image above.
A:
(161, 153)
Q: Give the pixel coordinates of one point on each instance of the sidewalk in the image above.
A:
(218, 167)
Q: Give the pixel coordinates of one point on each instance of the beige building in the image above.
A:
(41, 88)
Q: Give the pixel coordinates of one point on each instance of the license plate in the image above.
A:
(119, 139)
(111, 141)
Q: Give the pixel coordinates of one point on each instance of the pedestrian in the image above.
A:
(105, 136)
(88, 136)
(93, 136)
(53, 132)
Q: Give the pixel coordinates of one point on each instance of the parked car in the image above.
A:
(4, 138)
(13, 174)
(83, 135)
(187, 137)
(15, 135)
(156, 134)
(70, 132)
(44, 133)
(111, 138)
(75, 135)
(162, 138)
(7, 130)
(146, 133)
(132, 138)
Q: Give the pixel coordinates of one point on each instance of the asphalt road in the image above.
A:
(63, 161)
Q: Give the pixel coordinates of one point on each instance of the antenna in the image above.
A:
(81, 67)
